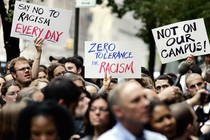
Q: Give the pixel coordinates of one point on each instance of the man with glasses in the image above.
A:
(21, 69)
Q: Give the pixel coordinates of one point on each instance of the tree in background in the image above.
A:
(11, 44)
(156, 13)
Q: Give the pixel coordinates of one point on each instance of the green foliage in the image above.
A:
(9, 16)
(156, 13)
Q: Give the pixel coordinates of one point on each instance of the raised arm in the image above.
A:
(35, 67)
(106, 83)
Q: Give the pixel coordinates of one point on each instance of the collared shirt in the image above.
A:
(119, 132)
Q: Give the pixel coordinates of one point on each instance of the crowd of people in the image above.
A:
(57, 103)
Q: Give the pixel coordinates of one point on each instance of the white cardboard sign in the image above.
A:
(31, 21)
(179, 40)
(118, 59)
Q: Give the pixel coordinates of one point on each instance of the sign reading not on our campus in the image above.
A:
(179, 40)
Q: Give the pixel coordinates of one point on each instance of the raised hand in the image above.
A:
(38, 44)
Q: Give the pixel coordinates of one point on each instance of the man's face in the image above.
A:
(71, 67)
(160, 85)
(22, 72)
(194, 83)
(133, 107)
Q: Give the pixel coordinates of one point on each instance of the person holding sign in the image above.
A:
(21, 70)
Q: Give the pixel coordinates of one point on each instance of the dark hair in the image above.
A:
(43, 68)
(61, 88)
(195, 69)
(61, 117)
(89, 129)
(145, 71)
(165, 77)
(75, 61)
(73, 76)
(183, 116)
(51, 68)
(6, 85)
(154, 104)
(80, 58)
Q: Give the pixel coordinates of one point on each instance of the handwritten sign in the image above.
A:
(85, 3)
(31, 21)
(118, 59)
(177, 41)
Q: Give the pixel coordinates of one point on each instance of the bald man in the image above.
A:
(194, 82)
(131, 108)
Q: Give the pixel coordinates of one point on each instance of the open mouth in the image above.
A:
(28, 76)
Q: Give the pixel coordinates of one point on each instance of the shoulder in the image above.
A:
(86, 138)
(111, 134)
(150, 135)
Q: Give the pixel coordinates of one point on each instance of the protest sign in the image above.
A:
(179, 40)
(31, 21)
(85, 3)
(118, 59)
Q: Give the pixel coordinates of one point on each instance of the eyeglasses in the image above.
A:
(199, 84)
(24, 69)
(101, 109)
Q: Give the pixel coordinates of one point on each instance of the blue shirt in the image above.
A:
(119, 132)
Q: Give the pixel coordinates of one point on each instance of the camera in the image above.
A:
(203, 112)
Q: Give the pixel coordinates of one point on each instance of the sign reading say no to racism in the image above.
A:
(31, 21)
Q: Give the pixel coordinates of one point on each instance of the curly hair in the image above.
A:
(61, 119)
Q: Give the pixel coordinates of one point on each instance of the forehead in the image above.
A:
(70, 64)
(131, 91)
(99, 102)
(13, 87)
(193, 78)
(161, 82)
(160, 109)
(42, 73)
(59, 68)
(40, 119)
(21, 62)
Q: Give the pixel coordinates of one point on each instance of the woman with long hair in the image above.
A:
(98, 118)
